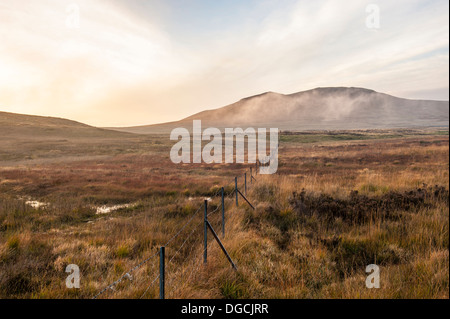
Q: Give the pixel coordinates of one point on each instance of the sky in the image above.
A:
(137, 62)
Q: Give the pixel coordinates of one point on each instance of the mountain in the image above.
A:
(29, 127)
(319, 109)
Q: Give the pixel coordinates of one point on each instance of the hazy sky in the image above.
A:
(133, 62)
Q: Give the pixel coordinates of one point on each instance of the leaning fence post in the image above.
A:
(221, 245)
(245, 183)
(251, 175)
(223, 212)
(205, 252)
(236, 191)
(161, 272)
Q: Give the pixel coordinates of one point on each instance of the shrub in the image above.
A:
(122, 252)
(13, 243)
(266, 193)
(231, 289)
(355, 254)
(18, 284)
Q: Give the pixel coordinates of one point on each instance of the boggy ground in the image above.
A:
(339, 202)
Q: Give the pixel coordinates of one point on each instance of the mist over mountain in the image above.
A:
(318, 109)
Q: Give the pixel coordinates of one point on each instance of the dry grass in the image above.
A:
(304, 245)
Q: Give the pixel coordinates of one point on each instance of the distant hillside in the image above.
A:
(19, 126)
(319, 109)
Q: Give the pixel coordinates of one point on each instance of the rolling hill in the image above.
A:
(34, 139)
(19, 126)
(319, 109)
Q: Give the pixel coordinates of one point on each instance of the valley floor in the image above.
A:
(338, 203)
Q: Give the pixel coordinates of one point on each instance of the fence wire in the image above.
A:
(149, 286)
(128, 275)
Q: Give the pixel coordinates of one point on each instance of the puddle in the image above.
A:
(100, 210)
(109, 209)
(199, 198)
(36, 204)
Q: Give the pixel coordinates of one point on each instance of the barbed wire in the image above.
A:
(211, 242)
(128, 274)
(149, 286)
(184, 243)
(217, 193)
(218, 207)
(200, 263)
(170, 261)
(231, 193)
(183, 228)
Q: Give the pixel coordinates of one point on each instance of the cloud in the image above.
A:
(134, 63)
(49, 68)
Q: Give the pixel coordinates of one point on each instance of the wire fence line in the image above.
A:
(218, 207)
(183, 228)
(197, 263)
(149, 286)
(171, 260)
(127, 275)
(184, 243)
(229, 195)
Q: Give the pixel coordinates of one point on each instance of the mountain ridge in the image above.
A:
(323, 108)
